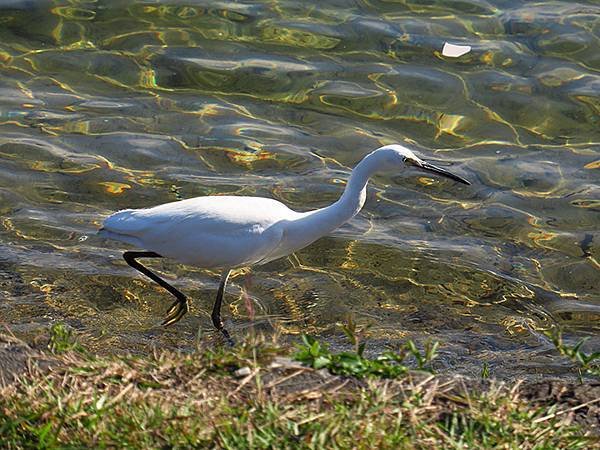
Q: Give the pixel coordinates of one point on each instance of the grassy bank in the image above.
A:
(258, 395)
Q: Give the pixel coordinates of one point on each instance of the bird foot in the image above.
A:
(175, 312)
(218, 324)
(227, 336)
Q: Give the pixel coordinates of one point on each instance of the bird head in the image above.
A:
(397, 155)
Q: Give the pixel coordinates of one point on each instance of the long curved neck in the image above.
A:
(322, 221)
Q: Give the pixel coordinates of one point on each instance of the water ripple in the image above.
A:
(142, 102)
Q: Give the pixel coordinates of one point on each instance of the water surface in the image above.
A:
(106, 105)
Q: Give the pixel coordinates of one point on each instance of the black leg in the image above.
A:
(216, 312)
(180, 306)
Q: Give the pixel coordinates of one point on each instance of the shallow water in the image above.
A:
(112, 104)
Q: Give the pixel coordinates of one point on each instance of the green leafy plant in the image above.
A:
(588, 362)
(423, 359)
(353, 363)
(63, 340)
(485, 371)
(314, 354)
(355, 334)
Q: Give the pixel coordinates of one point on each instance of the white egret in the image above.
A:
(227, 232)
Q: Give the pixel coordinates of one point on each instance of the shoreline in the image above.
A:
(214, 396)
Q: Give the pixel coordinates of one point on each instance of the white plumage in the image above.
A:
(210, 232)
(233, 231)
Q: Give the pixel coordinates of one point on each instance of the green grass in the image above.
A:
(249, 397)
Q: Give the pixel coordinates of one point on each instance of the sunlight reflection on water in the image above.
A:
(137, 103)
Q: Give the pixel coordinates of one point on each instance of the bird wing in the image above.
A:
(213, 231)
(222, 215)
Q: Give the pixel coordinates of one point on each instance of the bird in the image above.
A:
(229, 232)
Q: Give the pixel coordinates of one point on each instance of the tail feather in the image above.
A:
(125, 226)
(125, 222)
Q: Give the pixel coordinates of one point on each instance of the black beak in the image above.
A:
(435, 169)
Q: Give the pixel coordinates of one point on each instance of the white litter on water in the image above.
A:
(454, 51)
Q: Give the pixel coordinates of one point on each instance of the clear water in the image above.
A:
(112, 104)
